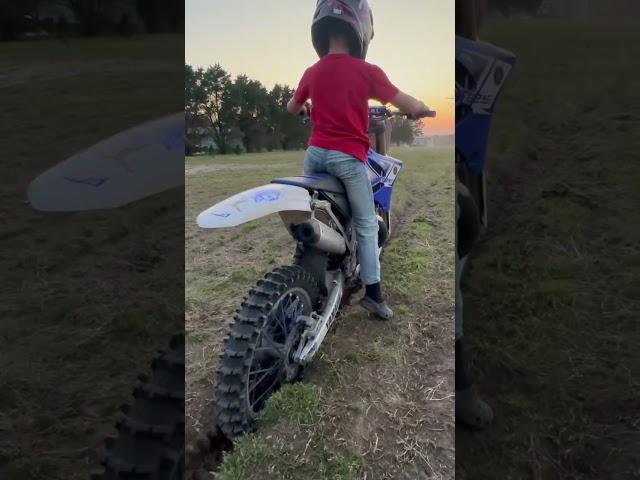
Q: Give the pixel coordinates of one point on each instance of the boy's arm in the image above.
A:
(297, 102)
(385, 92)
(294, 107)
(408, 104)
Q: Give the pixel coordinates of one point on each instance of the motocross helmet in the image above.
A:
(353, 18)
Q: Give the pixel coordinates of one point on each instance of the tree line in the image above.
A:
(241, 114)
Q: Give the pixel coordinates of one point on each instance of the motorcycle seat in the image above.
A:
(318, 181)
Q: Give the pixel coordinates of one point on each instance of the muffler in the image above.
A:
(319, 235)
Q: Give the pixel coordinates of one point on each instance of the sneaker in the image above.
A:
(471, 409)
(380, 310)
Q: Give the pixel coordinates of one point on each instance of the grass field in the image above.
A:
(552, 304)
(377, 402)
(73, 337)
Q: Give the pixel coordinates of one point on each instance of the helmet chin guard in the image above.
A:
(351, 18)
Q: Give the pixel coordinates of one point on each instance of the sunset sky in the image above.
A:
(271, 42)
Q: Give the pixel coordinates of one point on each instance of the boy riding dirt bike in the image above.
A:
(339, 213)
(340, 86)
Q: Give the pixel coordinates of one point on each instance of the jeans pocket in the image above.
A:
(312, 160)
(345, 167)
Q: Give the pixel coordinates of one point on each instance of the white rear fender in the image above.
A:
(255, 203)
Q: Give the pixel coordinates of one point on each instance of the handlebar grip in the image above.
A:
(423, 114)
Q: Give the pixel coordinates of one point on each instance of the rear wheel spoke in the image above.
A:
(266, 391)
(264, 375)
(268, 351)
(282, 321)
(273, 345)
(256, 372)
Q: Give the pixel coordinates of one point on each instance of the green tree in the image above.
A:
(190, 92)
(207, 93)
(249, 101)
(289, 131)
(191, 108)
(276, 118)
(404, 131)
(242, 109)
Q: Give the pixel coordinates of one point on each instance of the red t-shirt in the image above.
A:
(340, 87)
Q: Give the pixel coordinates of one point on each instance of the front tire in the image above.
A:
(257, 355)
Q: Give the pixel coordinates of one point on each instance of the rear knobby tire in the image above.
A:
(149, 444)
(243, 348)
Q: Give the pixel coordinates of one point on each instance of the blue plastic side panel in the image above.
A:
(383, 198)
(382, 184)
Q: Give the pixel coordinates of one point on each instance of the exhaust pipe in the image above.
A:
(318, 235)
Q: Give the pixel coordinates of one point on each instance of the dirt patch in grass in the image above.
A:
(386, 407)
(290, 444)
(391, 396)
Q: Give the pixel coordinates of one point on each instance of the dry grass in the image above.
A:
(387, 387)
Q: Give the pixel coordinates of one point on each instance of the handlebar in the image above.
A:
(376, 112)
(385, 112)
(423, 114)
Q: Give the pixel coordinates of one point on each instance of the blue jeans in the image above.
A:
(352, 172)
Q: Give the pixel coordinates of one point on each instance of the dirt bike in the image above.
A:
(283, 321)
(481, 72)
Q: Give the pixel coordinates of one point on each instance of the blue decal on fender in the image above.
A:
(91, 181)
(223, 215)
(266, 196)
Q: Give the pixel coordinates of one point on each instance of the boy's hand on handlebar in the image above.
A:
(422, 113)
(413, 108)
(305, 111)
